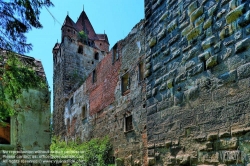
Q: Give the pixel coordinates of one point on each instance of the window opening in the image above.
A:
(125, 83)
(128, 123)
(80, 49)
(94, 78)
(141, 71)
(96, 56)
(84, 112)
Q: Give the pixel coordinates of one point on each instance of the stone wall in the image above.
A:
(197, 72)
(108, 107)
(71, 68)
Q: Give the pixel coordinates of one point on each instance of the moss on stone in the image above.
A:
(234, 14)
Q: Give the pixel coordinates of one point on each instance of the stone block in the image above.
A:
(151, 161)
(161, 35)
(226, 143)
(195, 32)
(172, 25)
(233, 4)
(208, 23)
(196, 70)
(147, 73)
(199, 20)
(204, 56)
(152, 41)
(242, 45)
(244, 20)
(212, 10)
(211, 62)
(208, 42)
(235, 13)
(228, 77)
(170, 83)
(243, 71)
(197, 13)
(192, 7)
(186, 30)
(157, 66)
(164, 16)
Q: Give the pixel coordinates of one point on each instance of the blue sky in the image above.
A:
(115, 17)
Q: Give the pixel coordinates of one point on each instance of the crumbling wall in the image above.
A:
(197, 71)
(71, 68)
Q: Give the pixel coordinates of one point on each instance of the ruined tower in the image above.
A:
(73, 59)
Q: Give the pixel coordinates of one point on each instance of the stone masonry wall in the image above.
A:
(70, 71)
(108, 107)
(197, 75)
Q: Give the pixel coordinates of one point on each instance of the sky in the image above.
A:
(115, 17)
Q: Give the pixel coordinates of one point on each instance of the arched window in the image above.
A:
(80, 49)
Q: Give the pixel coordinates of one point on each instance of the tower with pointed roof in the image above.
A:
(73, 60)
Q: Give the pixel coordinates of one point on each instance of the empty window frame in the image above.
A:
(96, 56)
(80, 50)
(84, 112)
(141, 71)
(94, 76)
(125, 84)
(128, 123)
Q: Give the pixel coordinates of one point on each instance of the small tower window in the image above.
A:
(71, 101)
(115, 53)
(94, 77)
(80, 49)
(96, 56)
(84, 112)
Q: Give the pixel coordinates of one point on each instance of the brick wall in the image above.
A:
(197, 61)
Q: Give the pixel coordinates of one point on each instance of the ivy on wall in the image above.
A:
(92, 153)
(16, 74)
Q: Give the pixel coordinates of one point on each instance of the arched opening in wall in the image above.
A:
(80, 50)
(96, 56)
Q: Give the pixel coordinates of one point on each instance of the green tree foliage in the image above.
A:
(16, 75)
(92, 153)
(17, 18)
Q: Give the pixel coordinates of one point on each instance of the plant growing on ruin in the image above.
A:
(16, 75)
(82, 36)
(91, 153)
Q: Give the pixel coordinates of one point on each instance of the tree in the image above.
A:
(17, 18)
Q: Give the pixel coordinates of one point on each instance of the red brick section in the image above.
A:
(102, 92)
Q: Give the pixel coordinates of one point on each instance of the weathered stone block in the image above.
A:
(147, 73)
(196, 70)
(164, 16)
(212, 10)
(170, 83)
(157, 66)
(204, 56)
(208, 42)
(226, 143)
(192, 93)
(151, 161)
(193, 6)
(199, 20)
(208, 23)
(211, 62)
(197, 13)
(152, 41)
(187, 30)
(235, 14)
(233, 4)
(244, 20)
(228, 76)
(242, 45)
(161, 35)
(243, 71)
(194, 33)
(172, 25)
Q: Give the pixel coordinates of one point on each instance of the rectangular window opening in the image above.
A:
(84, 112)
(94, 77)
(128, 123)
(125, 84)
(115, 54)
